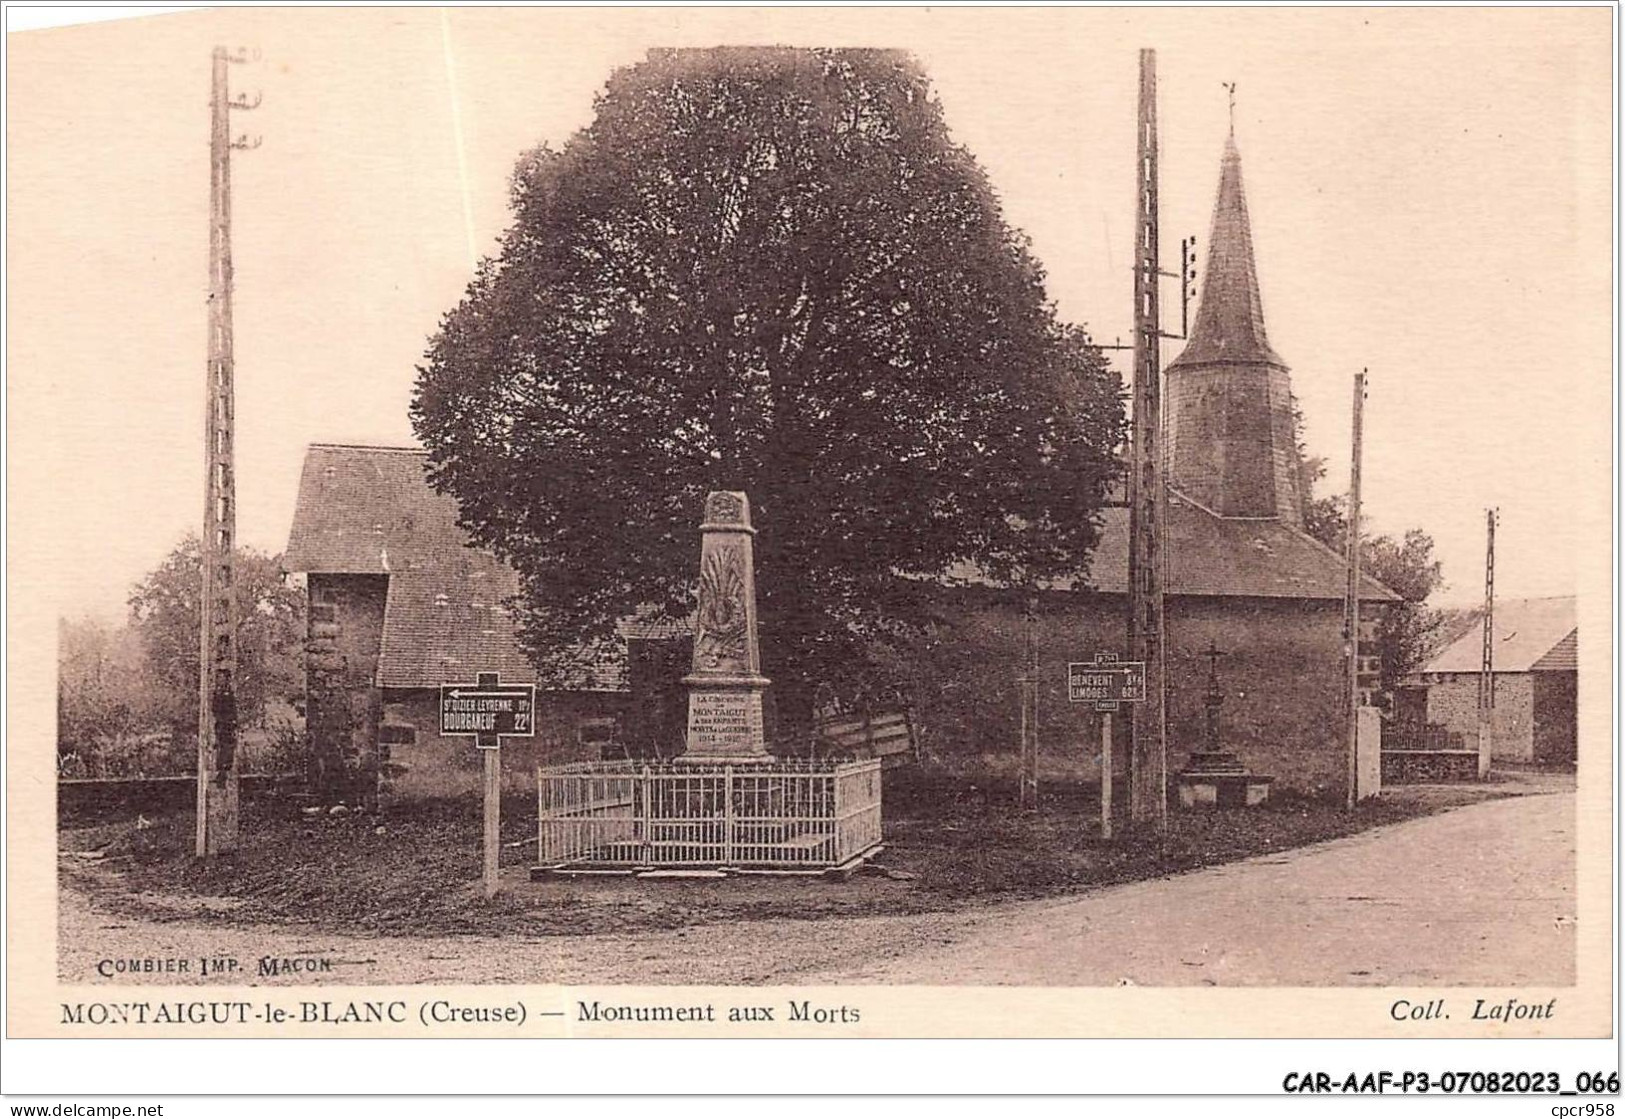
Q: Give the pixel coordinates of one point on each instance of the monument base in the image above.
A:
(1217, 779)
(725, 724)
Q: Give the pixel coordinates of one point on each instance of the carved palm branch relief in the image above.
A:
(723, 613)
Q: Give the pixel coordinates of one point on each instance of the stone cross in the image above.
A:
(1214, 698)
(726, 682)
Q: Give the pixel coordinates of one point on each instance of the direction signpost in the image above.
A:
(1106, 682)
(489, 710)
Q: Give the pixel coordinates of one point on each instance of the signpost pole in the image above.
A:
(1107, 683)
(1106, 774)
(493, 816)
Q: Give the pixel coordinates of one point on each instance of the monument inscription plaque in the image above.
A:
(718, 719)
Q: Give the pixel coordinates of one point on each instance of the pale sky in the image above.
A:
(1429, 195)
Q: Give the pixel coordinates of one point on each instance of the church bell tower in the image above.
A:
(1232, 444)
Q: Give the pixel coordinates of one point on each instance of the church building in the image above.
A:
(1242, 576)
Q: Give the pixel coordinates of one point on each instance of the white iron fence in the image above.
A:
(777, 815)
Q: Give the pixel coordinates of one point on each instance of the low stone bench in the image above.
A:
(1222, 790)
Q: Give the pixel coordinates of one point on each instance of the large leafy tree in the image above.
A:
(165, 614)
(1408, 633)
(768, 270)
(1409, 630)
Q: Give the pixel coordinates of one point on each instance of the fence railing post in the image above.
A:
(728, 814)
(542, 846)
(643, 826)
(837, 798)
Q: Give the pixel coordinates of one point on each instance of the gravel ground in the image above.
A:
(414, 870)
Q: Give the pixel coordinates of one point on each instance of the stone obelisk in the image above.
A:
(726, 683)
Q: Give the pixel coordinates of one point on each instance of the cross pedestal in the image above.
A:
(1212, 775)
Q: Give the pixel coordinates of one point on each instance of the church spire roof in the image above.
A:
(1229, 324)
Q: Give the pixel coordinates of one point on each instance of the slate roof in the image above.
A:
(1229, 324)
(370, 511)
(1216, 556)
(1531, 634)
(1562, 657)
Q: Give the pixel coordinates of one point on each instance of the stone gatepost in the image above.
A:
(726, 684)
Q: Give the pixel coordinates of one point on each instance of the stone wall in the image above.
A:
(1453, 704)
(1282, 679)
(1556, 732)
(418, 763)
(344, 628)
(1417, 767)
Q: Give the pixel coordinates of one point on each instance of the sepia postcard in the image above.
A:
(825, 523)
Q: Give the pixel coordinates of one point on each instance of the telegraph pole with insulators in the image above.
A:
(1351, 604)
(1486, 668)
(1147, 474)
(1148, 741)
(217, 763)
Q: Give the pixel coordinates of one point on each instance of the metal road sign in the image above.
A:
(488, 709)
(1105, 681)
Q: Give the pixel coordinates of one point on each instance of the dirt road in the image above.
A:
(1482, 895)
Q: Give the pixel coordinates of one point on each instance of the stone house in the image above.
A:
(400, 604)
(1536, 672)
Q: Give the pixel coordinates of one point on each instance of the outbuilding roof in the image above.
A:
(1530, 635)
(1562, 657)
(370, 511)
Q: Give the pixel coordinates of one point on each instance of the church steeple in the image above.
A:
(1230, 319)
(1232, 439)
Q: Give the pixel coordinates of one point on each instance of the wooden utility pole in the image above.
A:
(1027, 794)
(1148, 744)
(1486, 668)
(1351, 604)
(217, 767)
